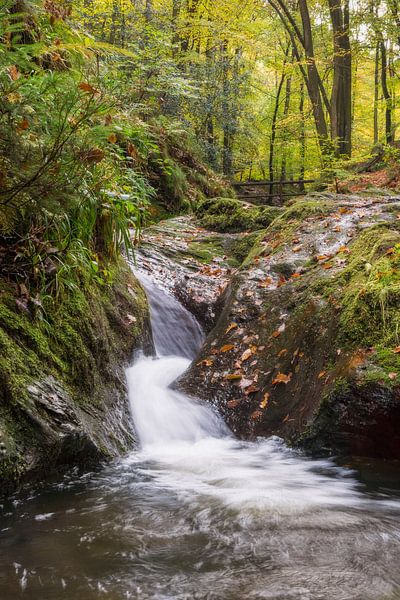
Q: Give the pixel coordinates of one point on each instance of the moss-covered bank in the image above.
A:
(62, 385)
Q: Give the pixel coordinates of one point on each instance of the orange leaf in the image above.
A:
(231, 327)
(282, 378)
(327, 266)
(276, 334)
(390, 251)
(207, 362)
(227, 348)
(322, 374)
(344, 249)
(112, 138)
(396, 350)
(282, 352)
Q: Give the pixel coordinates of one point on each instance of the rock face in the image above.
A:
(307, 344)
(63, 397)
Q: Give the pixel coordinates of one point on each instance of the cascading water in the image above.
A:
(192, 442)
(195, 514)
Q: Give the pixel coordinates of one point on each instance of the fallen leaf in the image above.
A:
(392, 376)
(233, 403)
(396, 350)
(297, 249)
(322, 374)
(327, 266)
(233, 376)
(227, 348)
(14, 73)
(86, 87)
(265, 400)
(390, 251)
(256, 415)
(231, 327)
(247, 354)
(112, 138)
(207, 362)
(276, 334)
(282, 378)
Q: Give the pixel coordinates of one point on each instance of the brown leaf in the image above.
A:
(23, 125)
(14, 73)
(233, 376)
(322, 374)
(276, 333)
(86, 87)
(282, 378)
(252, 389)
(256, 415)
(233, 403)
(112, 138)
(282, 352)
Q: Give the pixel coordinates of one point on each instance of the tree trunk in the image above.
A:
(341, 102)
(376, 96)
(313, 79)
(302, 138)
(386, 94)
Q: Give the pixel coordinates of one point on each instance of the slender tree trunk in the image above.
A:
(302, 138)
(341, 102)
(273, 130)
(376, 96)
(386, 94)
(288, 91)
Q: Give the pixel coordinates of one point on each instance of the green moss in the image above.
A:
(230, 215)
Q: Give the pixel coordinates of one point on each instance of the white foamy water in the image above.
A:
(194, 453)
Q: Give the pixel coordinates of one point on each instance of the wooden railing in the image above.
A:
(274, 189)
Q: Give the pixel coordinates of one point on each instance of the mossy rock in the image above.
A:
(63, 398)
(231, 215)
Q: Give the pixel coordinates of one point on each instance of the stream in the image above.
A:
(196, 514)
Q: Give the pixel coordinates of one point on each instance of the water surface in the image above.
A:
(196, 514)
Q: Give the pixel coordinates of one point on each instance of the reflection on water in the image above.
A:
(196, 514)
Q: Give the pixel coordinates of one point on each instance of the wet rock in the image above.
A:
(63, 395)
(302, 317)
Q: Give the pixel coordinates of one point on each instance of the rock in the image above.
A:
(63, 396)
(312, 330)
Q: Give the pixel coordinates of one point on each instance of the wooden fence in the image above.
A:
(273, 189)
